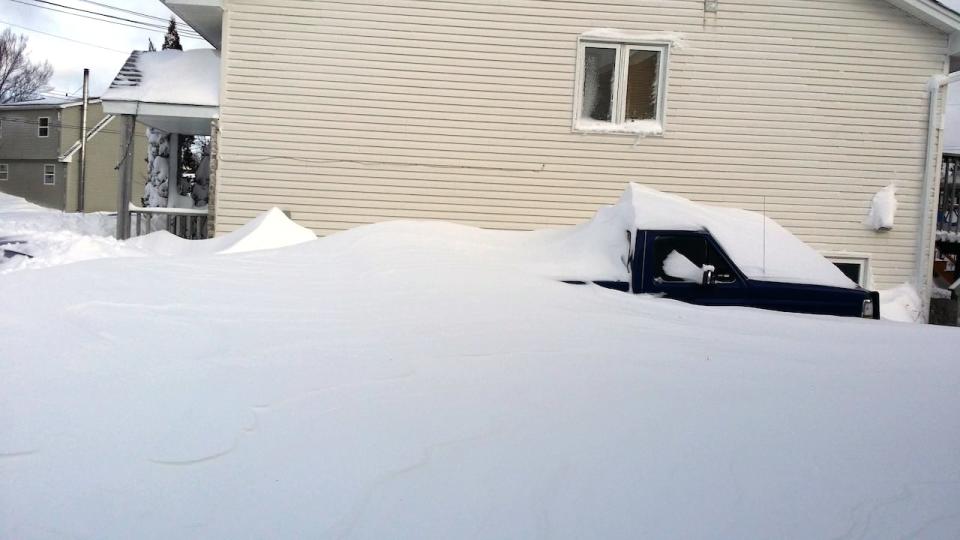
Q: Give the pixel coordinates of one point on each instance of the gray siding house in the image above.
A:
(518, 114)
(39, 143)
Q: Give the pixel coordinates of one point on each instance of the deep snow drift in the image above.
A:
(53, 238)
(377, 384)
(597, 250)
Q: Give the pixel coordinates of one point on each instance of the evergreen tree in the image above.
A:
(172, 39)
(188, 164)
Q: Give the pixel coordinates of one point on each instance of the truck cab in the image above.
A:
(691, 266)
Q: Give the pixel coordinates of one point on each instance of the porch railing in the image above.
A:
(184, 222)
(948, 211)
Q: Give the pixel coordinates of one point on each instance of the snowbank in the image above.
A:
(270, 230)
(597, 250)
(901, 304)
(17, 217)
(53, 238)
(327, 390)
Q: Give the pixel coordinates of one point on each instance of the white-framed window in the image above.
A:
(621, 87)
(4, 172)
(855, 266)
(49, 174)
(43, 126)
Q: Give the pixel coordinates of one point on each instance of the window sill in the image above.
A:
(641, 128)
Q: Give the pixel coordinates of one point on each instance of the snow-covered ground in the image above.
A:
(384, 383)
(52, 238)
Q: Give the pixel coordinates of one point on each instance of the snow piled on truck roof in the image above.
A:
(599, 250)
(758, 245)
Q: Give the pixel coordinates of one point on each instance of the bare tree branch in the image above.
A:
(20, 79)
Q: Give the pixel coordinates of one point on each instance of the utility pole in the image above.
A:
(83, 139)
(125, 179)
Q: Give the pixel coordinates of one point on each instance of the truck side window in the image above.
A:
(697, 252)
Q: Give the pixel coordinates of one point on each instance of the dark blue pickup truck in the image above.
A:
(693, 267)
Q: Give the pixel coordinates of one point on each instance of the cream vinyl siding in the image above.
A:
(351, 112)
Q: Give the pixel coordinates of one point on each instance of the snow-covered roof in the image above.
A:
(47, 102)
(169, 77)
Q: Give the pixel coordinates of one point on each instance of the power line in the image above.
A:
(87, 11)
(131, 12)
(99, 14)
(93, 15)
(64, 38)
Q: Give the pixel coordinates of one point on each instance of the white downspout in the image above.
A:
(927, 215)
(930, 191)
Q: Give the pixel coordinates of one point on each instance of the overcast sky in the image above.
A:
(105, 45)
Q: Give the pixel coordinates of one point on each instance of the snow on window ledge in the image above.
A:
(673, 39)
(640, 128)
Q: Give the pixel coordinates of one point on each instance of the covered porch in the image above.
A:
(176, 94)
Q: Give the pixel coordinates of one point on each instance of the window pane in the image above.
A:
(599, 68)
(722, 272)
(667, 252)
(851, 270)
(642, 76)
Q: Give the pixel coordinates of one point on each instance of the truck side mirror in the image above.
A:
(707, 277)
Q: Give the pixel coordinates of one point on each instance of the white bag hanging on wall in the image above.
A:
(882, 209)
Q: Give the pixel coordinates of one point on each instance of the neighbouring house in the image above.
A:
(39, 154)
(518, 114)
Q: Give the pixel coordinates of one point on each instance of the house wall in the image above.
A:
(351, 112)
(103, 153)
(25, 180)
(26, 153)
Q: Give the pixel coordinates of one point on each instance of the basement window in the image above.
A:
(43, 127)
(4, 172)
(621, 87)
(855, 267)
(49, 175)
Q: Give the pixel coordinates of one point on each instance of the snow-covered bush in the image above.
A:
(157, 188)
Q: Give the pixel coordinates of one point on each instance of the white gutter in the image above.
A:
(932, 13)
(931, 190)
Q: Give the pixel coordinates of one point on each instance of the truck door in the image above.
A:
(674, 265)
